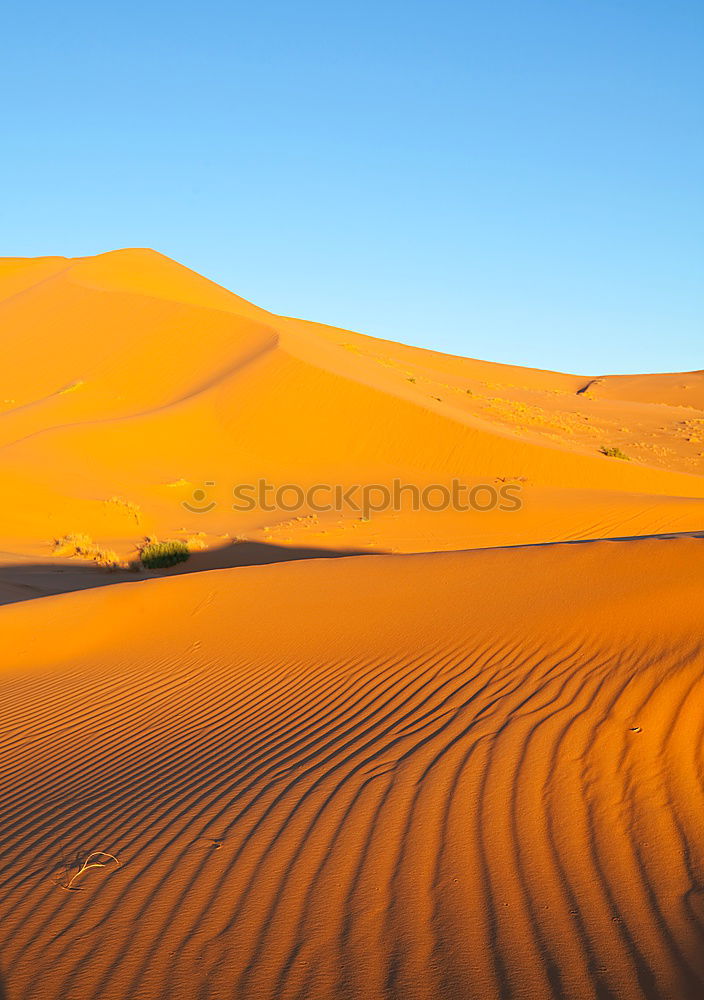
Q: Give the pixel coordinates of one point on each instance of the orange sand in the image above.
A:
(429, 772)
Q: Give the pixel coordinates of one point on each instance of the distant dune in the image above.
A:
(464, 759)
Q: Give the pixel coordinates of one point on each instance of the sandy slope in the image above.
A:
(468, 767)
(131, 376)
(391, 776)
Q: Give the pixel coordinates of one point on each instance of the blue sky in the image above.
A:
(517, 181)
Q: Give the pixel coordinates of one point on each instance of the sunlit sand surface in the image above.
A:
(417, 756)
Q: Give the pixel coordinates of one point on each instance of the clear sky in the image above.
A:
(519, 181)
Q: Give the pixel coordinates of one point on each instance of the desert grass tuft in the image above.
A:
(196, 543)
(126, 506)
(155, 554)
(82, 546)
(613, 452)
(74, 544)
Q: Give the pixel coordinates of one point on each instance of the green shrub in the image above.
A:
(614, 453)
(155, 554)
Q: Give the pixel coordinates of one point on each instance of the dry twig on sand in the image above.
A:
(67, 882)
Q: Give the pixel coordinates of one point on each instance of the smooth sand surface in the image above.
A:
(464, 761)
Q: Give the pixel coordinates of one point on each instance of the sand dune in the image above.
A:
(380, 777)
(130, 375)
(467, 765)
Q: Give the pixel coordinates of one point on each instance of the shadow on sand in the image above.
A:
(27, 581)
